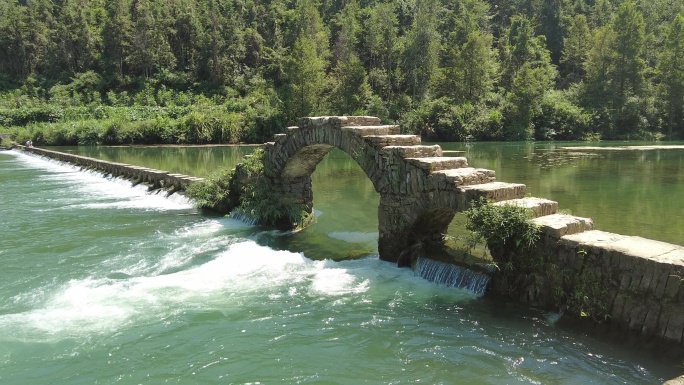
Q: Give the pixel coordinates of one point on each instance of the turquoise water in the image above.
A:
(102, 283)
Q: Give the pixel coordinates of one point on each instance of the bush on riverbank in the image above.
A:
(6, 143)
(152, 115)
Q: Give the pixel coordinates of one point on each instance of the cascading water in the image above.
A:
(451, 275)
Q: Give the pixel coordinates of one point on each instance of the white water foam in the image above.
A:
(244, 270)
(106, 191)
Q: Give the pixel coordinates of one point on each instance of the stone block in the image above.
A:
(359, 121)
(675, 381)
(675, 323)
(559, 225)
(430, 164)
(650, 324)
(538, 206)
(448, 179)
(494, 191)
(616, 312)
(370, 130)
(382, 140)
(417, 151)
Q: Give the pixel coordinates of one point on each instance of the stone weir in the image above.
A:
(155, 179)
(635, 284)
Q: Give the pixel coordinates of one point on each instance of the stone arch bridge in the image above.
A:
(420, 189)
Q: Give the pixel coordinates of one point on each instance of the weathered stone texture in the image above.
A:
(558, 225)
(538, 206)
(641, 279)
(154, 178)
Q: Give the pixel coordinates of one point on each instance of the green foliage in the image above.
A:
(250, 196)
(576, 45)
(6, 143)
(507, 229)
(421, 48)
(259, 203)
(586, 299)
(213, 193)
(306, 75)
(61, 61)
(511, 239)
(24, 116)
(440, 119)
(560, 119)
(671, 74)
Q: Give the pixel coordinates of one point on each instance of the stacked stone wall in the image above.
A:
(626, 283)
(156, 179)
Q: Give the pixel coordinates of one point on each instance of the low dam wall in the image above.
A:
(156, 179)
(626, 283)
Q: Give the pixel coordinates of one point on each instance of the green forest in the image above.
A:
(237, 71)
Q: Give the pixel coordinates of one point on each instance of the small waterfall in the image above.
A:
(243, 217)
(451, 275)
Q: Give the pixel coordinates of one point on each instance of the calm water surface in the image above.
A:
(104, 284)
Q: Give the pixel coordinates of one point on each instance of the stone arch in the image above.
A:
(296, 154)
(420, 190)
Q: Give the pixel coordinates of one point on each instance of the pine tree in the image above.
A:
(671, 76)
(349, 85)
(25, 37)
(78, 38)
(528, 74)
(420, 56)
(222, 43)
(117, 37)
(473, 70)
(380, 49)
(576, 46)
(628, 75)
(306, 80)
(150, 49)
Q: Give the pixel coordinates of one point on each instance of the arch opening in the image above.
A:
(344, 202)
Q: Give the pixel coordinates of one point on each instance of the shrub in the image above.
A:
(439, 120)
(508, 232)
(6, 143)
(213, 193)
(261, 204)
(560, 119)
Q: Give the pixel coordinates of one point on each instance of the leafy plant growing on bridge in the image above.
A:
(511, 238)
(250, 196)
(212, 194)
(261, 204)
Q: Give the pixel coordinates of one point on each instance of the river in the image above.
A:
(103, 283)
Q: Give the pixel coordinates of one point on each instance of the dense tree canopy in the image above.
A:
(447, 69)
